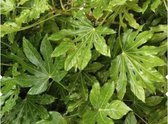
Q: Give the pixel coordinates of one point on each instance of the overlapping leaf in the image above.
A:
(28, 110)
(102, 108)
(121, 10)
(55, 118)
(6, 6)
(43, 69)
(9, 95)
(130, 119)
(135, 65)
(79, 50)
(84, 40)
(33, 11)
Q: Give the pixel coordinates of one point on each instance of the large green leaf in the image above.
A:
(26, 111)
(86, 36)
(135, 65)
(99, 98)
(43, 70)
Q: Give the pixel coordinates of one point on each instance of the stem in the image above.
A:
(62, 86)
(52, 1)
(19, 7)
(119, 32)
(165, 5)
(37, 23)
(6, 64)
(5, 55)
(140, 118)
(104, 19)
(62, 6)
(5, 44)
(71, 115)
(50, 83)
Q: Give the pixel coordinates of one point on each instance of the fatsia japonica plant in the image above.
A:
(83, 61)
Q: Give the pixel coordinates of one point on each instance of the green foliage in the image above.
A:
(28, 110)
(55, 118)
(83, 61)
(86, 35)
(136, 64)
(99, 99)
(43, 70)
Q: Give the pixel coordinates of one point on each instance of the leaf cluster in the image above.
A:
(83, 61)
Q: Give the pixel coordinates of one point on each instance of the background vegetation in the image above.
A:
(83, 61)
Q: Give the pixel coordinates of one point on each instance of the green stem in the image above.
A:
(62, 86)
(18, 7)
(5, 55)
(140, 118)
(6, 44)
(53, 3)
(165, 5)
(119, 34)
(62, 6)
(6, 64)
(104, 19)
(37, 23)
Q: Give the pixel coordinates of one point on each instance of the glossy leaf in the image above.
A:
(62, 49)
(87, 35)
(55, 118)
(155, 4)
(153, 100)
(7, 6)
(83, 61)
(31, 53)
(130, 119)
(132, 22)
(23, 111)
(39, 79)
(99, 98)
(133, 63)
